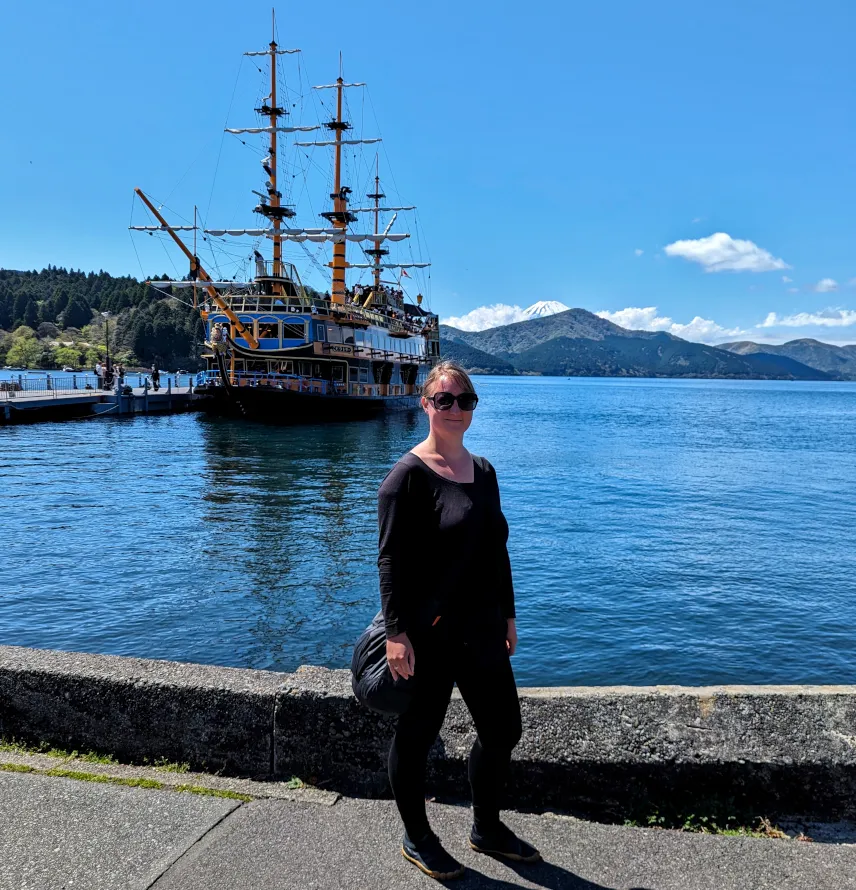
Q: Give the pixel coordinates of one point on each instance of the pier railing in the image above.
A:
(273, 381)
(307, 384)
(48, 386)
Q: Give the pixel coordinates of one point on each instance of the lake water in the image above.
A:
(662, 531)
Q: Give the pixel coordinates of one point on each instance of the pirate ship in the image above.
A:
(278, 350)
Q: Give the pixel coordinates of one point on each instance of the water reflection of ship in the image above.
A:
(278, 350)
(295, 509)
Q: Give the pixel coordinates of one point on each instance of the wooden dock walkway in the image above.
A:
(57, 404)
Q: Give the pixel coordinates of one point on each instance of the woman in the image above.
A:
(448, 605)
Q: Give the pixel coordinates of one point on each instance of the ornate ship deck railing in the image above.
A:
(306, 384)
(339, 312)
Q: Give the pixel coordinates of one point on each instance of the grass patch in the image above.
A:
(213, 792)
(12, 746)
(109, 780)
(170, 767)
(92, 757)
(729, 825)
(294, 783)
(16, 768)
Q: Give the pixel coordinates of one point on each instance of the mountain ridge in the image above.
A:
(577, 342)
(838, 361)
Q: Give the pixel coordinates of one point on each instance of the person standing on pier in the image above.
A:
(450, 618)
(155, 378)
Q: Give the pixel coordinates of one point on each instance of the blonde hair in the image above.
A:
(447, 369)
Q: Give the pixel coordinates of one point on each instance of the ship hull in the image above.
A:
(280, 406)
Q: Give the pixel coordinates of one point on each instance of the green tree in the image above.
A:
(93, 356)
(25, 351)
(5, 346)
(77, 314)
(48, 357)
(68, 355)
(22, 332)
(31, 314)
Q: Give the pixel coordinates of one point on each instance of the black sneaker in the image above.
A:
(429, 856)
(500, 840)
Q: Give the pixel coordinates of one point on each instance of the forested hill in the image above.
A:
(53, 318)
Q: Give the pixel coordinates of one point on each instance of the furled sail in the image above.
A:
(256, 233)
(279, 52)
(220, 285)
(341, 236)
(313, 235)
(388, 265)
(271, 129)
(378, 209)
(332, 86)
(342, 142)
(162, 228)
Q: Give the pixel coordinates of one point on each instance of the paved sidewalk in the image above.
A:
(62, 833)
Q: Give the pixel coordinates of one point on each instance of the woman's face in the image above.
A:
(452, 423)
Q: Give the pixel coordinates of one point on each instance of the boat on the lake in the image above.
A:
(277, 349)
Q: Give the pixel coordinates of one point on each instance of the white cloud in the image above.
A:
(697, 219)
(793, 290)
(486, 317)
(700, 329)
(638, 251)
(722, 253)
(637, 319)
(826, 285)
(786, 279)
(828, 318)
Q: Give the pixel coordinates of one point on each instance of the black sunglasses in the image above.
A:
(443, 401)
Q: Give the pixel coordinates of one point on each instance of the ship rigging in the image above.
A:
(282, 351)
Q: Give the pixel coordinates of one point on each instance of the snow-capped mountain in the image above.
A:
(543, 308)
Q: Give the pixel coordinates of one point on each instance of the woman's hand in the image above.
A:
(399, 654)
(511, 636)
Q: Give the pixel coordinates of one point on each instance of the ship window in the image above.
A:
(337, 372)
(358, 336)
(316, 370)
(306, 369)
(293, 330)
(320, 332)
(286, 367)
(348, 335)
(268, 330)
(364, 375)
(334, 333)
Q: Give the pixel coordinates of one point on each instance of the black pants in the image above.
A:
(473, 654)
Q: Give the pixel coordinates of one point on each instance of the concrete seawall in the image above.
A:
(774, 750)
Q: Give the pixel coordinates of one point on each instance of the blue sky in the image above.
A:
(586, 153)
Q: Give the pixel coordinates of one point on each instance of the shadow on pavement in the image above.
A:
(544, 874)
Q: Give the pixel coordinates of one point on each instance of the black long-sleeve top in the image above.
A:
(441, 545)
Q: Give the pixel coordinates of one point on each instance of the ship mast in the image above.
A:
(340, 217)
(377, 251)
(274, 194)
(274, 210)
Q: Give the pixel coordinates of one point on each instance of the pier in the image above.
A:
(77, 396)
